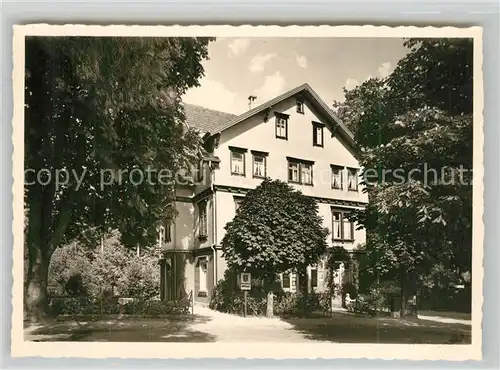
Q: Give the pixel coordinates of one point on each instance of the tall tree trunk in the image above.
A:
(270, 304)
(37, 304)
(36, 297)
(403, 297)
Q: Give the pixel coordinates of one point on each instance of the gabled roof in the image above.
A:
(214, 122)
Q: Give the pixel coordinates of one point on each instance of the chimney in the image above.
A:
(251, 99)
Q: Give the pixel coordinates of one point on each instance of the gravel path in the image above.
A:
(445, 320)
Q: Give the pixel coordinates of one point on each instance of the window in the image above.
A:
(337, 177)
(201, 170)
(202, 274)
(314, 277)
(237, 161)
(237, 203)
(337, 225)
(300, 171)
(300, 106)
(285, 281)
(203, 219)
(161, 236)
(306, 173)
(259, 164)
(352, 179)
(294, 172)
(348, 228)
(318, 139)
(289, 281)
(164, 234)
(168, 232)
(342, 227)
(281, 126)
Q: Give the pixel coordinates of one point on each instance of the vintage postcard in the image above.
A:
(248, 192)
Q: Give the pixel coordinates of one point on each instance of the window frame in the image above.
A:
(203, 221)
(233, 150)
(300, 163)
(263, 155)
(292, 281)
(168, 232)
(299, 104)
(341, 173)
(201, 170)
(287, 274)
(202, 266)
(302, 177)
(161, 235)
(356, 178)
(237, 203)
(315, 269)
(281, 116)
(318, 126)
(343, 213)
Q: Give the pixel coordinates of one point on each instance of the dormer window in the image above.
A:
(300, 106)
(318, 137)
(237, 161)
(281, 126)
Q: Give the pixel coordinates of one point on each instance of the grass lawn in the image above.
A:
(125, 330)
(351, 328)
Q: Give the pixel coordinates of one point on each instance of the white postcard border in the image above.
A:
(323, 350)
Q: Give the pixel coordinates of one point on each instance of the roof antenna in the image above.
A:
(251, 99)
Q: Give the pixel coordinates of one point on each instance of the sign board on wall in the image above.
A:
(245, 281)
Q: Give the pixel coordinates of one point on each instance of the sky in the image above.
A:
(267, 67)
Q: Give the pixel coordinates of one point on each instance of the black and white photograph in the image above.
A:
(301, 188)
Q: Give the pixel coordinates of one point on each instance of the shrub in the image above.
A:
(373, 302)
(227, 297)
(222, 298)
(62, 306)
(83, 306)
(296, 304)
(324, 301)
(154, 308)
(77, 270)
(69, 272)
(140, 278)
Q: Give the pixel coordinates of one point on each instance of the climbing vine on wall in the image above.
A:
(334, 257)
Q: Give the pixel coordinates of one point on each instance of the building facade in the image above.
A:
(295, 138)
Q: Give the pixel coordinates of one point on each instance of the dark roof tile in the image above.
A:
(206, 120)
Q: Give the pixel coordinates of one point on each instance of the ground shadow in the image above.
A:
(350, 328)
(122, 330)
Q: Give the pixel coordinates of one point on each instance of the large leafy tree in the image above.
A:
(414, 131)
(276, 229)
(95, 108)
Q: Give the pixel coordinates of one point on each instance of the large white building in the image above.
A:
(294, 137)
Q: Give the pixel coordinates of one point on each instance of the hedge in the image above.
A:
(64, 306)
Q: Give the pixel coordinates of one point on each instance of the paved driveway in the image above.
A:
(231, 328)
